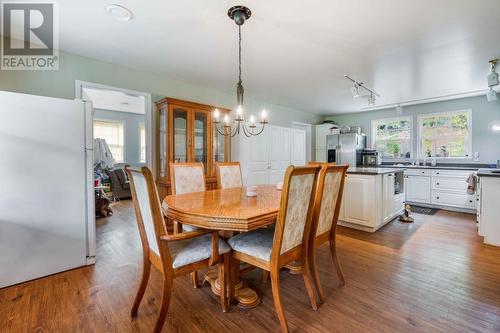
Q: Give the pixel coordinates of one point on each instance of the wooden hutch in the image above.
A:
(185, 133)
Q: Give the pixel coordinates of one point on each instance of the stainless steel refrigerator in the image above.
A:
(345, 148)
(47, 221)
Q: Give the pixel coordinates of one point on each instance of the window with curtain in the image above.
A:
(142, 136)
(113, 132)
(392, 137)
(445, 135)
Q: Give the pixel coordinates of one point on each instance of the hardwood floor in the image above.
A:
(434, 275)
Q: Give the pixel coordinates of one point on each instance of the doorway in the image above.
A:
(306, 128)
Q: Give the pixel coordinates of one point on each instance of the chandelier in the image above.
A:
(239, 14)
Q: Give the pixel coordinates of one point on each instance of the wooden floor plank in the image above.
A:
(434, 275)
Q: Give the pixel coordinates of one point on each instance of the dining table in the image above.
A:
(228, 211)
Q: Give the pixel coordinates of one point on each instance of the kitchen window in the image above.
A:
(445, 135)
(392, 137)
(113, 133)
(142, 137)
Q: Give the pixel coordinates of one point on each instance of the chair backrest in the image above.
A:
(313, 163)
(228, 174)
(328, 198)
(187, 177)
(295, 215)
(148, 211)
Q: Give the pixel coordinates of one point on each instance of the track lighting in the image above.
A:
(491, 95)
(371, 100)
(356, 91)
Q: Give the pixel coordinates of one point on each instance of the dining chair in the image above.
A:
(328, 201)
(173, 254)
(272, 248)
(187, 178)
(228, 174)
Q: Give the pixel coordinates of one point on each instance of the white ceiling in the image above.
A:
(296, 52)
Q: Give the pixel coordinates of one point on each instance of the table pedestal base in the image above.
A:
(295, 267)
(247, 298)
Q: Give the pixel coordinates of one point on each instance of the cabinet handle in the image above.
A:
(437, 173)
(437, 183)
(423, 172)
(470, 201)
(437, 198)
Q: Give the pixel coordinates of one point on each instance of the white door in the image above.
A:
(279, 157)
(418, 189)
(43, 227)
(298, 147)
(257, 147)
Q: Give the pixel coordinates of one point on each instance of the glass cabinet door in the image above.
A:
(200, 138)
(180, 137)
(163, 143)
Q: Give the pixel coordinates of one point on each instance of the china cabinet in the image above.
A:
(185, 133)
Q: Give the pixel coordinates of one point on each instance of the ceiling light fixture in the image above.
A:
(119, 12)
(239, 14)
(355, 91)
(493, 81)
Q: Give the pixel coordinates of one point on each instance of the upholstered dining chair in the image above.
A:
(272, 248)
(325, 217)
(187, 178)
(228, 174)
(174, 255)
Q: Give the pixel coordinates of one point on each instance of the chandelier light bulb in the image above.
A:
(216, 114)
(226, 119)
(263, 114)
(239, 110)
(252, 119)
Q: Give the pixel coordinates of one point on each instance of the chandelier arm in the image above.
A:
(247, 132)
(261, 130)
(218, 130)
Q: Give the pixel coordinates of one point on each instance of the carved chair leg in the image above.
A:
(146, 270)
(336, 262)
(306, 273)
(165, 302)
(275, 286)
(194, 279)
(224, 275)
(265, 276)
(315, 273)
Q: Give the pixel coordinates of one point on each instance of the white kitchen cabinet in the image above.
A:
(321, 155)
(418, 189)
(453, 199)
(322, 131)
(489, 210)
(388, 194)
(359, 200)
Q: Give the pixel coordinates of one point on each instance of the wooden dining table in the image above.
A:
(227, 210)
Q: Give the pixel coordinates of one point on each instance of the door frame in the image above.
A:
(79, 85)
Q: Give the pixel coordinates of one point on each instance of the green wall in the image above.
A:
(484, 114)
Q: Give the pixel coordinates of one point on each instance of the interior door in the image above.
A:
(279, 157)
(298, 147)
(258, 161)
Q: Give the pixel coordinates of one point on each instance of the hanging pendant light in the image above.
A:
(239, 14)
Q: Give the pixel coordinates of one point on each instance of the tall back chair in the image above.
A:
(272, 248)
(326, 214)
(228, 174)
(174, 255)
(187, 177)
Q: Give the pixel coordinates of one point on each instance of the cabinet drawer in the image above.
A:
(461, 200)
(452, 173)
(453, 184)
(417, 172)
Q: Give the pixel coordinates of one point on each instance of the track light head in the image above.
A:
(371, 100)
(355, 91)
(491, 95)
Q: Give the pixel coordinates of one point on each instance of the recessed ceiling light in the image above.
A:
(119, 12)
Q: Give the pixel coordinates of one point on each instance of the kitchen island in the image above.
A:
(488, 210)
(372, 197)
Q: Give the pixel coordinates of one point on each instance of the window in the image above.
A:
(392, 137)
(112, 132)
(445, 135)
(142, 137)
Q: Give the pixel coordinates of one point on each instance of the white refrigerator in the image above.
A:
(47, 219)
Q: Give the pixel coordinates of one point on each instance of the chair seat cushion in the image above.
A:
(188, 228)
(188, 251)
(258, 243)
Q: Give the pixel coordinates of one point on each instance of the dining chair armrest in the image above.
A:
(184, 235)
(215, 248)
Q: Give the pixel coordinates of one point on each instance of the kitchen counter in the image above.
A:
(488, 173)
(372, 171)
(439, 167)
